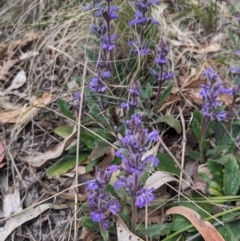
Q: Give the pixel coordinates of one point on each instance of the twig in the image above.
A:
(184, 140)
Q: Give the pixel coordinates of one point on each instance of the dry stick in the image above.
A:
(184, 140)
(78, 145)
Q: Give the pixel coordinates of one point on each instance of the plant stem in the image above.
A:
(205, 122)
(134, 207)
(134, 214)
(157, 97)
(101, 226)
(109, 41)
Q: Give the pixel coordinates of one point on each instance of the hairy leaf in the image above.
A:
(231, 178)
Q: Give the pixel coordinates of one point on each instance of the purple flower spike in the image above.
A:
(211, 75)
(210, 93)
(161, 75)
(134, 145)
(99, 200)
(97, 85)
(109, 46)
(140, 16)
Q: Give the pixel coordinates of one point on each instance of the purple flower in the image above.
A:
(135, 89)
(113, 206)
(160, 61)
(144, 5)
(141, 19)
(140, 14)
(211, 75)
(97, 85)
(125, 106)
(210, 93)
(134, 145)
(238, 52)
(235, 69)
(123, 182)
(161, 75)
(113, 14)
(152, 159)
(220, 116)
(92, 186)
(105, 43)
(143, 197)
(97, 216)
(99, 30)
(99, 200)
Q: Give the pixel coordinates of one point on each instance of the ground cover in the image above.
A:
(119, 120)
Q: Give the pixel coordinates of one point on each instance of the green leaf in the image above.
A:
(147, 92)
(65, 165)
(171, 121)
(96, 114)
(105, 235)
(196, 126)
(156, 230)
(89, 224)
(217, 171)
(193, 154)
(231, 178)
(230, 231)
(164, 95)
(64, 108)
(90, 165)
(227, 233)
(63, 131)
(167, 164)
(90, 139)
(180, 222)
(214, 188)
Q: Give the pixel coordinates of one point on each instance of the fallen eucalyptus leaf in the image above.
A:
(17, 220)
(206, 229)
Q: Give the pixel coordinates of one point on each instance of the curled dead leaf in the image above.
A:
(37, 159)
(206, 229)
(24, 114)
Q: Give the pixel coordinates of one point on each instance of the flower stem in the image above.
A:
(205, 122)
(134, 214)
(157, 97)
(134, 207)
(109, 41)
(101, 226)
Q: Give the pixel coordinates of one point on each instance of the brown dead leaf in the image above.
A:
(206, 229)
(37, 159)
(107, 159)
(24, 114)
